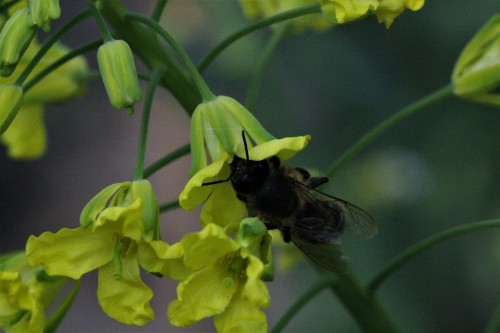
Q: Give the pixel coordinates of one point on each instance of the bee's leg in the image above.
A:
(275, 161)
(241, 197)
(287, 234)
(314, 182)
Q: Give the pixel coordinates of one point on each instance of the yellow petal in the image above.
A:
(283, 148)
(125, 299)
(194, 193)
(70, 252)
(26, 137)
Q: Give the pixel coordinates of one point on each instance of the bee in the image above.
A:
(286, 198)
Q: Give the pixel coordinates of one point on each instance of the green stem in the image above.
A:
(58, 315)
(388, 123)
(167, 159)
(169, 205)
(61, 61)
(255, 83)
(205, 92)
(322, 283)
(158, 10)
(48, 44)
(305, 10)
(425, 244)
(148, 101)
(105, 33)
(494, 324)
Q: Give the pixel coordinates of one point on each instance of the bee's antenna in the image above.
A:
(245, 144)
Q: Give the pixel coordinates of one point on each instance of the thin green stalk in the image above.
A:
(158, 10)
(105, 33)
(305, 10)
(321, 284)
(169, 206)
(61, 61)
(205, 92)
(255, 83)
(494, 324)
(48, 44)
(425, 244)
(388, 123)
(167, 159)
(58, 315)
(148, 101)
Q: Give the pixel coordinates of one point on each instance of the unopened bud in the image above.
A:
(15, 38)
(117, 67)
(44, 11)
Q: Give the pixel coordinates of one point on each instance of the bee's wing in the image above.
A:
(358, 223)
(323, 247)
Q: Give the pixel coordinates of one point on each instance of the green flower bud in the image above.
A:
(476, 75)
(117, 67)
(15, 38)
(43, 11)
(11, 98)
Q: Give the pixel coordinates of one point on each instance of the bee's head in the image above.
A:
(248, 176)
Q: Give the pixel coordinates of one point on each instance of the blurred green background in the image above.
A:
(437, 169)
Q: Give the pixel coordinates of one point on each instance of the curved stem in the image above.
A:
(388, 123)
(158, 10)
(322, 283)
(494, 324)
(167, 159)
(61, 61)
(148, 101)
(169, 206)
(205, 92)
(58, 315)
(105, 33)
(305, 10)
(253, 88)
(49, 42)
(425, 244)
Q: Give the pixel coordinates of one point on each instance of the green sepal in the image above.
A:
(98, 203)
(251, 230)
(266, 256)
(150, 210)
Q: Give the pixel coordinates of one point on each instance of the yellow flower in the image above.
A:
(225, 280)
(118, 233)
(24, 299)
(476, 75)
(25, 137)
(216, 128)
(388, 10)
(264, 8)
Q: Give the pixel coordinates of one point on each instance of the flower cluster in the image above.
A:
(118, 233)
(334, 11)
(25, 295)
(22, 127)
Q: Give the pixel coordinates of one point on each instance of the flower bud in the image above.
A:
(15, 38)
(11, 98)
(43, 11)
(117, 67)
(476, 75)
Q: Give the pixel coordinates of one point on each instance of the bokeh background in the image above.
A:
(437, 169)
